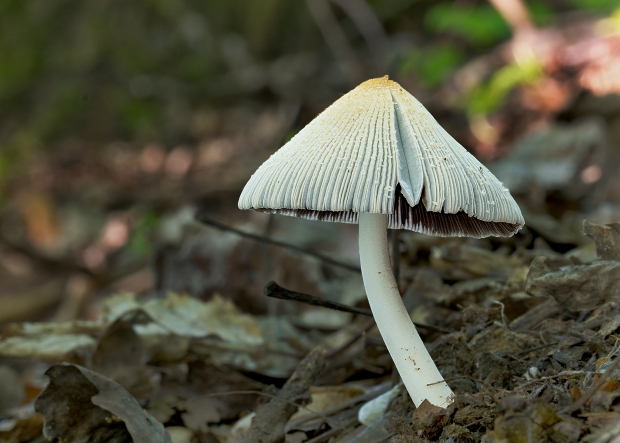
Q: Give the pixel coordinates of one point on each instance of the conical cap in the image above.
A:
(378, 150)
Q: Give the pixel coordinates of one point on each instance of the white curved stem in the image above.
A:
(415, 366)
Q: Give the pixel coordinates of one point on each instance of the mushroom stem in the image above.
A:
(415, 366)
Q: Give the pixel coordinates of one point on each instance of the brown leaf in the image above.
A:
(429, 419)
(121, 356)
(271, 417)
(80, 405)
(608, 433)
(327, 397)
(577, 287)
(200, 411)
(205, 378)
(40, 218)
(426, 411)
(473, 260)
(552, 159)
(11, 389)
(606, 237)
(534, 424)
(24, 430)
(496, 338)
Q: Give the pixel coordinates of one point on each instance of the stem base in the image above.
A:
(415, 366)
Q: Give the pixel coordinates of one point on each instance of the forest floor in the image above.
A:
(133, 302)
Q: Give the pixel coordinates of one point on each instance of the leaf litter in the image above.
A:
(527, 338)
(525, 331)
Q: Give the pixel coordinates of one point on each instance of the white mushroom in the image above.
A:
(382, 166)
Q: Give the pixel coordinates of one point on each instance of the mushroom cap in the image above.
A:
(378, 150)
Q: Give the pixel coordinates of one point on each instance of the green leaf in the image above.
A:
(600, 6)
(479, 25)
(434, 64)
(489, 96)
(141, 242)
(542, 14)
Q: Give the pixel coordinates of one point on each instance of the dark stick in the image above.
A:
(269, 424)
(272, 289)
(201, 216)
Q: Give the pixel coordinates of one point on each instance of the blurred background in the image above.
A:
(118, 120)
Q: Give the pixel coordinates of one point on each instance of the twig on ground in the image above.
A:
(549, 377)
(271, 417)
(202, 217)
(592, 389)
(272, 289)
(355, 401)
(311, 414)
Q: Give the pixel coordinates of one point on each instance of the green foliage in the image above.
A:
(541, 13)
(137, 69)
(490, 95)
(599, 6)
(479, 25)
(139, 116)
(141, 243)
(434, 64)
(70, 66)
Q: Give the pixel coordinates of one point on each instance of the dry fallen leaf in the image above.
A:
(53, 342)
(475, 261)
(179, 434)
(429, 420)
(534, 424)
(11, 389)
(121, 355)
(496, 338)
(24, 430)
(80, 405)
(327, 397)
(552, 158)
(200, 411)
(48, 348)
(186, 316)
(606, 237)
(579, 287)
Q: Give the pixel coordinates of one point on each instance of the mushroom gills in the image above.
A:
(415, 218)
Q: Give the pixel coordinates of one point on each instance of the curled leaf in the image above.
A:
(606, 237)
(80, 405)
(575, 287)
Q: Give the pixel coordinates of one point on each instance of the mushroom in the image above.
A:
(377, 157)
